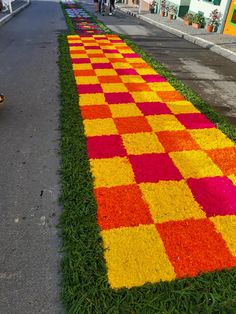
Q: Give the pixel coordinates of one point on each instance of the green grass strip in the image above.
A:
(85, 286)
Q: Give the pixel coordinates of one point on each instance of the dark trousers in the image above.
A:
(101, 6)
(112, 5)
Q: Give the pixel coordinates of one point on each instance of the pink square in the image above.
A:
(119, 98)
(110, 51)
(153, 108)
(80, 60)
(92, 47)
(154, 167)
(126, 72)
(150, 78)
(216, 195)
(102, 66)
(89, 88)
(105, 146)
(195, 121)
(131, 55)
(76, 45)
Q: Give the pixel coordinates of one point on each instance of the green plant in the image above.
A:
(199, 19)
(172, 10)
(214, 18)
(189, 17)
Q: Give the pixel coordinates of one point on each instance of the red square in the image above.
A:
(80, 60)
(102, 66)
(216, 195)
(153, 108)
(194, 246)
(89, 88)
(105, 146)
(132, 125)
(119, 98)
(195, 121)
(153, 168)
(121, 206)
(95, 112)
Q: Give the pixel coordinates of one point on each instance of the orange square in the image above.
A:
(170, 96)
(225, 159)
(132, 125)
(133, 87)
(194, 246)
(77, 52)
(140, 65)
(84, 73)
(95, 112)
(109, 79)
(121, 206)
(97, 55)
(177, 141)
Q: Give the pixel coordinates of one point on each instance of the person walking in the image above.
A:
(101, 6)
(111, 7)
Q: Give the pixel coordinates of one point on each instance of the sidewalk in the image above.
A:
(17, 6)
(223, 45)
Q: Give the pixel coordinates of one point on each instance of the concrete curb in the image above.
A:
(194, 39)
(6, 18)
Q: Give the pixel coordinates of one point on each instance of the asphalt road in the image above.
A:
(29, 162)
(210, 75)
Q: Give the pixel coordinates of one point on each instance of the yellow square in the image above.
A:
(146, 71)
(110, 172)
(131, 79)
(122, 65)
(182, 106)
(95, 127)
(164, 122)
(161, 87)
(125, 50)
(99, 60)
(81, 56)
(114, 55)
(135, 60)
(142, 143)
(114, 88)
(125, 110)
(94, 51)
(105, 72)
(80, 80)
(82, 66)
(171, 200)
(91, 99)
(232, 177)
(136, 256)
(145, 96)
(77, 48)
(195, 164)
(211, 138)
(89, 44)
(226, 226)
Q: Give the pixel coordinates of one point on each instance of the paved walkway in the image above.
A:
(29, 259)
(222, 44)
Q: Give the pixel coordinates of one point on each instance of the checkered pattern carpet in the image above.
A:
(164, 175)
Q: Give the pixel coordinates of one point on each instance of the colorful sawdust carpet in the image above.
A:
(82, 22)
(164, 175)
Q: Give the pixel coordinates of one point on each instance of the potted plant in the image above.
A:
(152, 6)
(198, 20)
(163, 8)
(172, 10)
(214, 20)
(188, 19)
